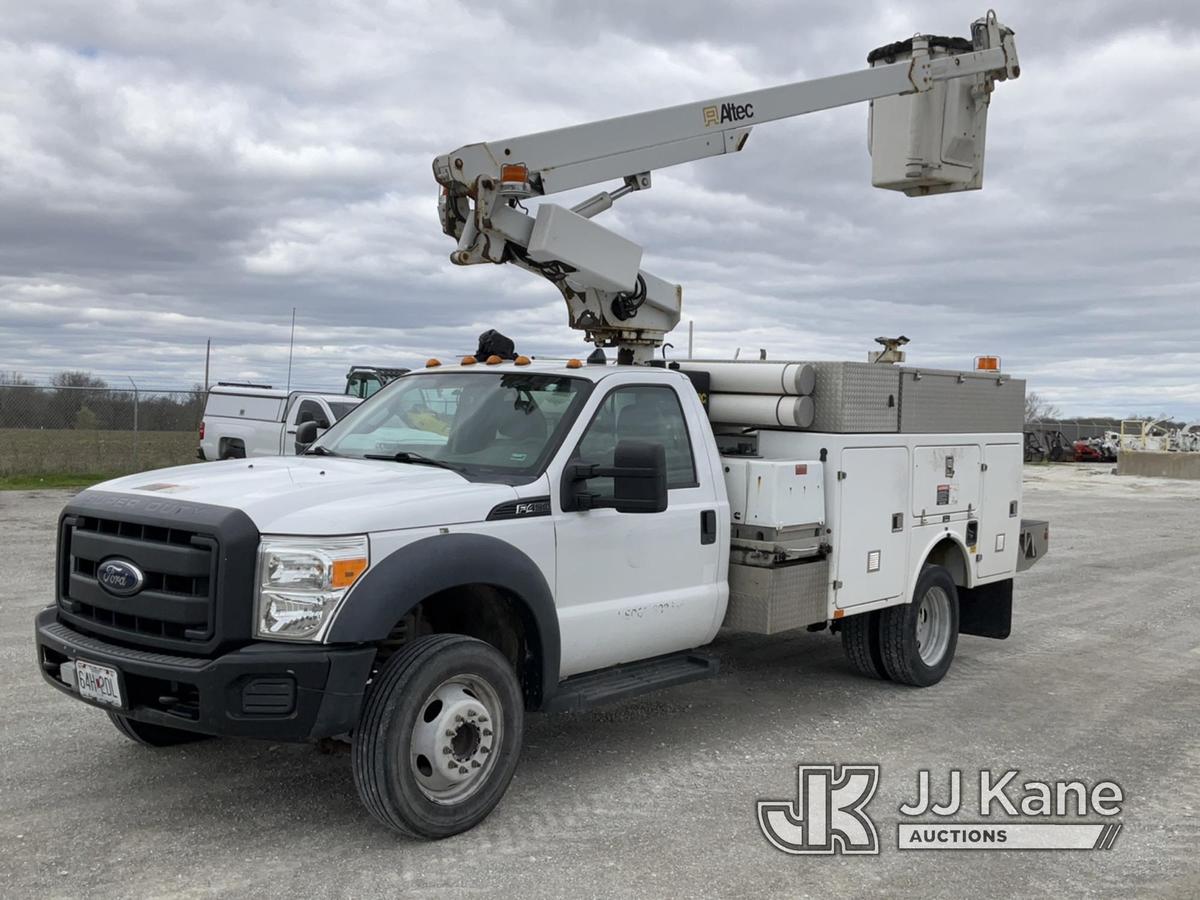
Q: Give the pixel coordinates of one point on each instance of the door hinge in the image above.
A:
(837, 585)
(841, 475)
(983, 467)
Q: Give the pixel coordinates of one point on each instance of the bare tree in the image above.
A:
(1037, 409)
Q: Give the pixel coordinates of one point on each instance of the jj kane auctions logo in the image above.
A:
(829, 814)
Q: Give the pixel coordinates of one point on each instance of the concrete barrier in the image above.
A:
(1159, 465)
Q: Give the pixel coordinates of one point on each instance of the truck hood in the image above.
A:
(324, 495)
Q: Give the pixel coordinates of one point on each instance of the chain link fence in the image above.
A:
(95, 430)
(1074, 430)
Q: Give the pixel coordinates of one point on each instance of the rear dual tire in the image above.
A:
(912, 643)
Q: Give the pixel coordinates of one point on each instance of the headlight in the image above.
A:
(301, 583)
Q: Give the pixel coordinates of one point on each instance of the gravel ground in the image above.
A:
(656, 796)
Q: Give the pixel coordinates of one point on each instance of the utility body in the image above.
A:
(500, 536)
(244, 420)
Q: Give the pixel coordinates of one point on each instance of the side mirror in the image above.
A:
(639, 474)
(306, 433)
(322, 423)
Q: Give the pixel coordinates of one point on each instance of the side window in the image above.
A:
(641, 413)
(311, 411)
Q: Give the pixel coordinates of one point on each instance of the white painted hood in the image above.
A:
(324, 495)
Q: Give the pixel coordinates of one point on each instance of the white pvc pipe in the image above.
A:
(761, 410)
(792, 379)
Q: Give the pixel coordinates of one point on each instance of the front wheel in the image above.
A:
(439, 737)
(917, 640)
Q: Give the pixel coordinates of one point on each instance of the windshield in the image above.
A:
(483, 424)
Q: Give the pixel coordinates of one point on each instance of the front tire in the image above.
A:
(918, 639)
(149, 735)
(439, 737)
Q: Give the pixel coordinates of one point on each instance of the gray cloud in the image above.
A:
(171, 172)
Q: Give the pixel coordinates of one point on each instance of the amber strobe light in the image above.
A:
(987, 363)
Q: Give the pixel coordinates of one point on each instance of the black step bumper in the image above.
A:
(280, 692)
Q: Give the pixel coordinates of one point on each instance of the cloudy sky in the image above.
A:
(176, 171)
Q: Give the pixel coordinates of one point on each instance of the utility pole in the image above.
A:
(207, 355)
(291, 347)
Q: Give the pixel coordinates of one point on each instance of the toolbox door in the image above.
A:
(1000, 510)
(872, 528)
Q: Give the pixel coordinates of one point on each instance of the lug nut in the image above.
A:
(474, 764)
(459, 719)
(445, 751)
(485, 749)
(450, 733)
(462, 771)
(471, 712)
(487, 732)
(483, 718)
(453, 765)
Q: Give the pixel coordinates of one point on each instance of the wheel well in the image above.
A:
(493, 615)
(228, 444)
(949, 555)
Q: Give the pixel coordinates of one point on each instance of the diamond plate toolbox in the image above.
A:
(856, 398)
(766, 600)
(937, 401)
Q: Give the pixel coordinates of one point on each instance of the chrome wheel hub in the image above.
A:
(933, 626)
(457, 729)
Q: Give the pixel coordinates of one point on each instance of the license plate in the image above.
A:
(100, 684)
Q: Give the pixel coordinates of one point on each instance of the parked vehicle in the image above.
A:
(251, 420)
(366, 381)
(495, 537)
(1035, 451)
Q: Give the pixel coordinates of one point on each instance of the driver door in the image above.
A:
(636, 585)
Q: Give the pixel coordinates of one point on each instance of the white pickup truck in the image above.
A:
(486, 539)
(249, 420)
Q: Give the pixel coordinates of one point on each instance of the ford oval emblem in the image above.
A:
(120, 577)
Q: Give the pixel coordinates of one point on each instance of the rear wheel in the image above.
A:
(149, 735)
(439, 737)
(918, 639)
(860, 641)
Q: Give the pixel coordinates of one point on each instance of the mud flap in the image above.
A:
(986, 610)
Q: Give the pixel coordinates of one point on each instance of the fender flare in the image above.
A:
(398, 582)
(957, 540)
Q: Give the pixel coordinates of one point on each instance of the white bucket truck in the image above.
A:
(500, 536)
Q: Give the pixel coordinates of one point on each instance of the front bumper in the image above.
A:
(268, 690)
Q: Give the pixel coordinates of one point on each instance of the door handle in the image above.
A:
(708, 526)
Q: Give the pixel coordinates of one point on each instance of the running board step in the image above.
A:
(619, 682)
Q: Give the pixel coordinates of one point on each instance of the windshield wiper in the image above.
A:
(416, 459)
(319, 451)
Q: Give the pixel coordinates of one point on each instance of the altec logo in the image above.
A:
(728, 112)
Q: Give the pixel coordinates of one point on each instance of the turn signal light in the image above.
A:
(432, 363)
(574, 364)
(346, 572)
(514, 172)
(521, 361)
(469, 360)
(494, 360)
(987, 363)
